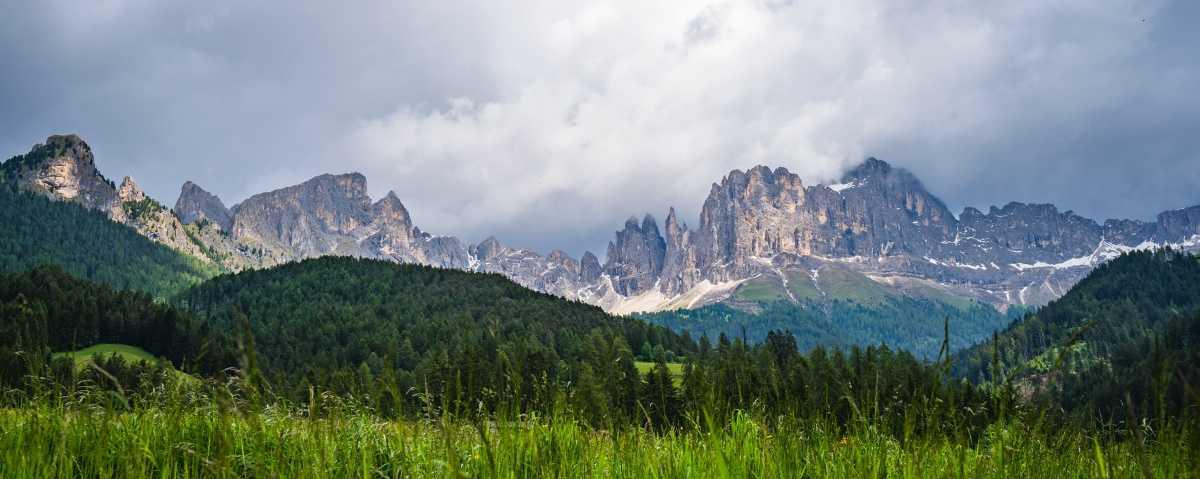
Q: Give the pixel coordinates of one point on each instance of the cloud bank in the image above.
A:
(548, 123)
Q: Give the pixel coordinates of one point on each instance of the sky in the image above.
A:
(548, 123)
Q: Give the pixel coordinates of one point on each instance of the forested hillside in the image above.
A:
(404, 340)
(341, 323)
(1131, 327)
(37, 231)
(909, 323)
(46, 310)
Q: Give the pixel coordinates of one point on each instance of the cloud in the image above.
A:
(547, 124)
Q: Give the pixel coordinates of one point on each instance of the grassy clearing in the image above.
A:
(131, 354)
(802, 286)
(760, 289)
(676, 370)
(853, 286)
(49, 442)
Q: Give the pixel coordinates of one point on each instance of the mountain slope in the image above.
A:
(84, 242)
(877, 220)
(840, 308)
(317, 317)
(45, 309)
(64, 169)
(1132, 325)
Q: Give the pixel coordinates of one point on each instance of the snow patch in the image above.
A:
(815, 274)
(1106, 251)
(762, 260)
(783, 278)
(840, 187)
(653, 299)
(956, 264)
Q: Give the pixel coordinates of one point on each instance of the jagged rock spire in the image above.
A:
(635, 258)
(196, 204)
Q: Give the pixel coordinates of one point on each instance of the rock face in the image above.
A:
(195, 205)
(881, 221)
(761, 224)
(311, 219)
(152, 219)
(64, 169)
(589, 268)
(636, 258)
(392, 235)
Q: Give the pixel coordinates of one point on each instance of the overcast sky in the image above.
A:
(548, 123)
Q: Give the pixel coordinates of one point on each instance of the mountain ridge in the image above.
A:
(760, 224)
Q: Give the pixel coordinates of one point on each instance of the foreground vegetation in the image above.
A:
(340, 367)
(211, 442)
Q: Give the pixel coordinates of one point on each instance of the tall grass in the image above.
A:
(47, 441)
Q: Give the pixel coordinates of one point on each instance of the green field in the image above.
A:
(131, 354)
(49, 442)
(852, 286)
(644, 367)
(760, 289)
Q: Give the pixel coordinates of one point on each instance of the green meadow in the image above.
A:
(212, 442)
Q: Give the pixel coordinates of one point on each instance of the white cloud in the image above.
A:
(548, 123)
(634, 109)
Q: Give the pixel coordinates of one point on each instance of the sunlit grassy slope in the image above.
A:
(676, 370)
(130, 353)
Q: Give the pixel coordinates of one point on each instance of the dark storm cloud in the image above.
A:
(548, 123)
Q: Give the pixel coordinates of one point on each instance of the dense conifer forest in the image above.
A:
(899, 322)
(346, 347)
(1128, 334)
(37, 231)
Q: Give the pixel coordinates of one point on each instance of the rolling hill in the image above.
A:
(334, 320)
(1132, 327)
(47, 309)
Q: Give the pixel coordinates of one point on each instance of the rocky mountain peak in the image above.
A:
(62, 168)
(1035, 232)
(129, 191)
(880, 177)
(672, 220)
(970, 212)
(488, 249)
(760, 225)
(649, 225)
(389, 209)
(196, 204)
(349, 185)
(589, 267)
(680, 270)
(310, 219)
(559, 256)
(1180, 223)
(673, 230)
(869, 168)
(635, 259)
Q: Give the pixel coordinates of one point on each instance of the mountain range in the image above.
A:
(762, 229)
